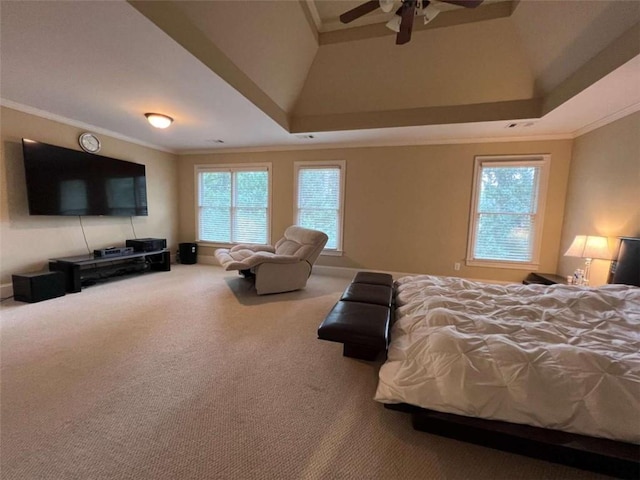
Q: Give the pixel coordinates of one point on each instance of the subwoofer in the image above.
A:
(37, 286)
(188, 253)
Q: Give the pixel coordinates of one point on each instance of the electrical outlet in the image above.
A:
(456, 266)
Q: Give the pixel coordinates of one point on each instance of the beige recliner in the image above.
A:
(284, 267)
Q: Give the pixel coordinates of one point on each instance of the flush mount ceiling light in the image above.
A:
(159, 120)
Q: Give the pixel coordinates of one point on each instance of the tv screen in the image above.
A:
(61, 181)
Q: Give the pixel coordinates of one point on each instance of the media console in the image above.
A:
(88, 269)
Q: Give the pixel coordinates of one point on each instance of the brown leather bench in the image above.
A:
(361, 319)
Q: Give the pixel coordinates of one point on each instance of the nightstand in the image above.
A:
(544, 279)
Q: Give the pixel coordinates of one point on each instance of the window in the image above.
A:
(233, 203)
(319, 199)
(507, 211)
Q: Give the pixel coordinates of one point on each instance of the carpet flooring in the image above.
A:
(189, 375)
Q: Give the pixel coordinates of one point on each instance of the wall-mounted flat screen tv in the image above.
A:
(61, 181)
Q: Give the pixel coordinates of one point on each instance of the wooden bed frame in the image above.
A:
(600, 455)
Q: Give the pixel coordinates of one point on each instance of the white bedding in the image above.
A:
(560, 357)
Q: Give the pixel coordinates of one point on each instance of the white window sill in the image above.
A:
(332, 253)
(205, 243)
(499, 264)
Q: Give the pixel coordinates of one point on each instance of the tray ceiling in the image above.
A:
(102, 65)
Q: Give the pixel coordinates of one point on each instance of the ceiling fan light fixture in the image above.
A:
(159, 120)
(402, 22)
(430, 12)
(394, 23)
(386, 5)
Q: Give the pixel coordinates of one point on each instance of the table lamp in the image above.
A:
(589, 247)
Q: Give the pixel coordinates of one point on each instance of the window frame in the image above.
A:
(318, 164)
(232, 167)
(538, 160)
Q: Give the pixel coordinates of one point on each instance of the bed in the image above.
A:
(534, 365)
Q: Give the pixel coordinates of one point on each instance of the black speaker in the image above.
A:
(37, 286)
(188, 253)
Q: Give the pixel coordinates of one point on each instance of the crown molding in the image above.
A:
(607, 120)
(390, 143)
(330, 145)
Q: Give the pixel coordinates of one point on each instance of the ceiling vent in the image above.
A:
(519, 124)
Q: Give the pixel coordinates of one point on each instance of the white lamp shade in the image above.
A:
(588, 246)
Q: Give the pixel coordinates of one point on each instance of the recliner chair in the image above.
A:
(284, 267)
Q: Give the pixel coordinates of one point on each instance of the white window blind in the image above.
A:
(233, 204)
(319, 199)
(507, 215)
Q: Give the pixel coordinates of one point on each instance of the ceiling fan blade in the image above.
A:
(406, 25)
(359, 11)
(464, 3)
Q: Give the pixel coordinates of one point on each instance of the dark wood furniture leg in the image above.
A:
(600, 455)
(360, 351)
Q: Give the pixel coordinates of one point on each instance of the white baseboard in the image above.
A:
(345, 272)
(318, 269)
(348, 272)
(6, 290)
(208, 260)
(341, 272)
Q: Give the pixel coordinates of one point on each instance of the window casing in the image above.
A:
(233, 203)
(507, 211)
(319, 200)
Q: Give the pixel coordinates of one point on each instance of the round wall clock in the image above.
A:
(89, 142)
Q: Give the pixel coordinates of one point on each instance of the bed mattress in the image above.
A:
(559, 357)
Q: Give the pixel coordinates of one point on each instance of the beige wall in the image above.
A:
(27, 242)
(240, 28)
(603, 194)
(406, 208)
(463, 65)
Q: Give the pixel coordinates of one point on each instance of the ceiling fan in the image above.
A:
(403, 19)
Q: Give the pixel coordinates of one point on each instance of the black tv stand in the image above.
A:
(87, 269)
